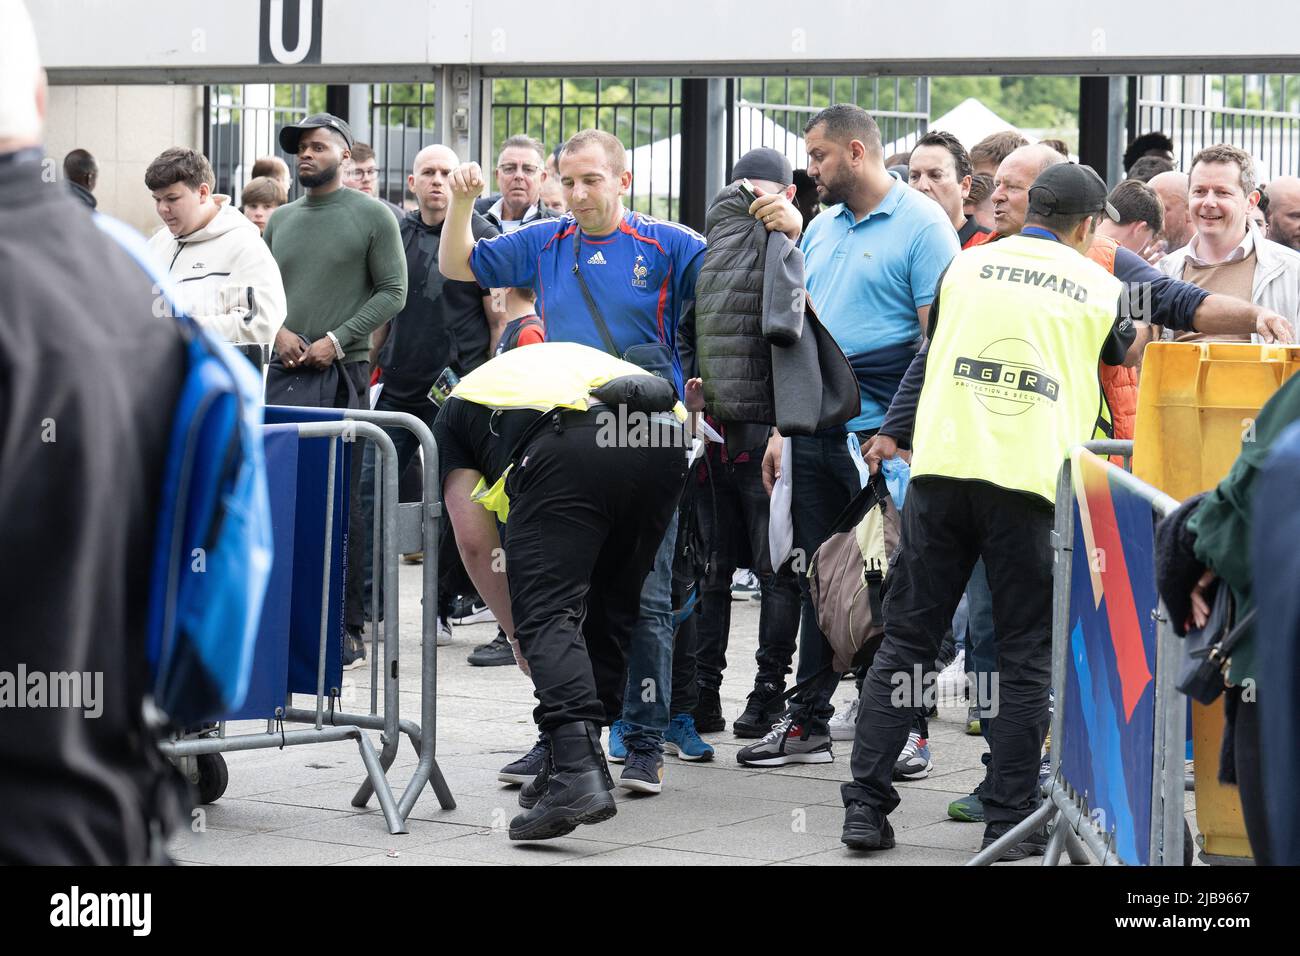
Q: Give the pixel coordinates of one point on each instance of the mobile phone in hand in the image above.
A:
(747, 190)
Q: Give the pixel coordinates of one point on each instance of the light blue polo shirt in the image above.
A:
(868, 278)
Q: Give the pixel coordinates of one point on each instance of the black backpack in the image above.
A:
(514, 328)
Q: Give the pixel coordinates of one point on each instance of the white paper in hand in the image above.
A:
(780, 527)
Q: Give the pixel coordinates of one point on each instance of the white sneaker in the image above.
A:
(952, 680)
(845, 722)
(444, 632)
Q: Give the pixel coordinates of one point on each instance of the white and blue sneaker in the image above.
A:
(684, 741)
(617, 749)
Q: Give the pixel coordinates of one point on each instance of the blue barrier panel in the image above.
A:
(1276, 561)
(309, 543)
(1108, 718)
(269, 681)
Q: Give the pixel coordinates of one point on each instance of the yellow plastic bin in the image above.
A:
(1196, 402)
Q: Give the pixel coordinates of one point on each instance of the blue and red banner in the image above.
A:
(1109, 701)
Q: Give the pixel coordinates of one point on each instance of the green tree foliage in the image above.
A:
(1027, 102)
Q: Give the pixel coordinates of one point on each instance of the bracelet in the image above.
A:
(338, 349)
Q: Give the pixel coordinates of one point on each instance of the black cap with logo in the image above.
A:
(1069, 189)
(290, 135)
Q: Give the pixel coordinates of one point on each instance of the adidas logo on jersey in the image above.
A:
(597, 260)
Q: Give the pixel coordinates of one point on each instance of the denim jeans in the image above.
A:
(648, 696)
(825, 480)
(981, 647)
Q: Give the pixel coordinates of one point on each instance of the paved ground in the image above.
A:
(293, 806)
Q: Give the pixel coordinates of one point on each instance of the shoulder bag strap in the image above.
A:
(601, 327)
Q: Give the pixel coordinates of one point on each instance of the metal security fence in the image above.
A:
(772, 111)
(243, 125)
(1258, 112)
(403, 120)
(644, 112)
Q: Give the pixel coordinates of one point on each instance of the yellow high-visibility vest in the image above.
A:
(1011, 376)
(544, 376)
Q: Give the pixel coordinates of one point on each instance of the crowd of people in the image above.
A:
(512, 320)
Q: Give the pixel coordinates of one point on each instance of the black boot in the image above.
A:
(708, 712)
(576, 790)
(764, 708)
(532, 791)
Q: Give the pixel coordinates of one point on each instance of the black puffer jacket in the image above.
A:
(735, 359)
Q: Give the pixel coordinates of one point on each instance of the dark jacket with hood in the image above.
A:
(83, 353)
(764, 357)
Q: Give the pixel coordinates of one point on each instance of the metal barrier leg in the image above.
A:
(1056, 843)
(391, 736)
(993, 852)
(1075, 849)
(379, 783)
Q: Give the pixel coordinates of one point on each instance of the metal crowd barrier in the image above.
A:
(406, 528)
(1073, 831)
(397, 529)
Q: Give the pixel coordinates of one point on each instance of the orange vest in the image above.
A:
(1118, 383)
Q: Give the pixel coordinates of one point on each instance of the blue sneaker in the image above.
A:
(617, 749)
(683, 740)
(643, 773)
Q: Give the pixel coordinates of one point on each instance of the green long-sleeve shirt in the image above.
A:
(341, 259)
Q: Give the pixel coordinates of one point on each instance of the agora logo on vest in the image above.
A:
(1007, 377)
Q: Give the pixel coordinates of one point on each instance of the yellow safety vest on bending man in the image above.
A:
(544, 376)
(1011, 376)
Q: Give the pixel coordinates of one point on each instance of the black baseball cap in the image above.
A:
(290, 135)
(1069, 189)
(763, 163)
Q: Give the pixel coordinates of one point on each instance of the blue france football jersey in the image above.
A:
(641, 277)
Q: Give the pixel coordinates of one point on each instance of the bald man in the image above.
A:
(1011, 185)
(444, 324)
(1171, 187)
(1284, 211)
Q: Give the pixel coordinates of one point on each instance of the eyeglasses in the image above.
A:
(512, 169)
(367, 173)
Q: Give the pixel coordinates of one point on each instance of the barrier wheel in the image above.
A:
(213, 777)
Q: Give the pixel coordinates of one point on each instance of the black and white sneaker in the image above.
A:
(472, 611)
(788, 742)
(527, 767)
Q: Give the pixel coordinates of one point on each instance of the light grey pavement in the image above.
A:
(292, 806)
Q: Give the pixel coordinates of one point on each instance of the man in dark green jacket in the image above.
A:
(344, 271)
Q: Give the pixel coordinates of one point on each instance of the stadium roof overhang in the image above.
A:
(199, 41)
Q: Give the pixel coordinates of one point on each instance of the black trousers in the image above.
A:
(1249, 753)
(733, 518)
(354, 593)
(585, 523)
(946, 526)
